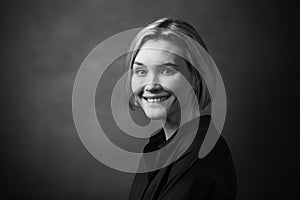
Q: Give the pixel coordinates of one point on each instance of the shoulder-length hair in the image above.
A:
(171, 30)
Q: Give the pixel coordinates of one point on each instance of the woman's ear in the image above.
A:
(136, 103)
(195, 83)
(133, 103)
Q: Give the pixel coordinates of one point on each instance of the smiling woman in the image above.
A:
(159, 76)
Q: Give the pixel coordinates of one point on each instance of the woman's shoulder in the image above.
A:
(217, 167)
(215, 172)
(218, 159)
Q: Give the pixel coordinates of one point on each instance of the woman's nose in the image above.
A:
(153, 87)
(152, 83)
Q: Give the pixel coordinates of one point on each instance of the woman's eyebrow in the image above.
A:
(138, 63)
(168, 64)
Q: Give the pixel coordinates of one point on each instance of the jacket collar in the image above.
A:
(183, 148)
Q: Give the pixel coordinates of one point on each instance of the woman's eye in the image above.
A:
(168, 71)
(140, 72)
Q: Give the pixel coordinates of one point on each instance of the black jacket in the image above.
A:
(189, 177)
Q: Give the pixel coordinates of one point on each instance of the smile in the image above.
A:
(156, 99)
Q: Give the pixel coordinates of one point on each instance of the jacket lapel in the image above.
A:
(190, 156)
(183, 149)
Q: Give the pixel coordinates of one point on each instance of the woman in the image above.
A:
(167, 87)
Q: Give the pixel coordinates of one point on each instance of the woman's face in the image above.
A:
(157, 75)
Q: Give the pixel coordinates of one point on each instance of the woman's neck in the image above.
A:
(169, 130)
(172, 123)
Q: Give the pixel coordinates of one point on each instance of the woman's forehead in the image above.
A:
(159, 52)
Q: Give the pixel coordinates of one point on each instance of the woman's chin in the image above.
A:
(156, 115)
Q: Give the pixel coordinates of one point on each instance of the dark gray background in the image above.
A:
(43, 44)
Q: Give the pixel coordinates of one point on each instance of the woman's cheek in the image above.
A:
(136, 83)
(175, 84)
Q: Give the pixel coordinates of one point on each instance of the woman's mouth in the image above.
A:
(156, 99)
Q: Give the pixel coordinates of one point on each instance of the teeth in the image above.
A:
(154, 100)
